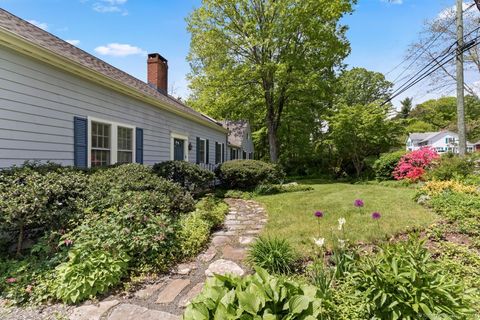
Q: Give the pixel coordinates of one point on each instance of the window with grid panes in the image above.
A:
(125, 145)
(101, 136)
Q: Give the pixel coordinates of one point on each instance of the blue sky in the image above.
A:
(121, 32)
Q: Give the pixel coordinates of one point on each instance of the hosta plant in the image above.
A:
(404, 282)
(258, 296)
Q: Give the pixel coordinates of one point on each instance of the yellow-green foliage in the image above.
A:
(433, 188)
(193, 233)
(212, 210)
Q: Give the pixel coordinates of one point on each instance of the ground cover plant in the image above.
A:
(89, 231)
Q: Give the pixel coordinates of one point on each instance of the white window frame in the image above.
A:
(204, 151)
(113, 139)
(184, 137)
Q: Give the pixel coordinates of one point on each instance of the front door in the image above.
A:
(178, 149)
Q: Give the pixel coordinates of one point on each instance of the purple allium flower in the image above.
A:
(319, 214)
(11, 280)
(358, 203)
(67, 242)
(376, 215)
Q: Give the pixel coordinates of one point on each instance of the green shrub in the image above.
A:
(258, 296)
(47, 200)
(140, 226)
(190, 176)
(451, 167)
(212, 210)
(384, 166)
(88, 273)
(269, 189)
(247, 174)
(273, 254)
(106, 188)
(193, 234)
(403, 282)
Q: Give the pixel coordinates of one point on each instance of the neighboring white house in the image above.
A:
(441, 141)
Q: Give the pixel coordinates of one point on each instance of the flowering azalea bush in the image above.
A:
(413, 165)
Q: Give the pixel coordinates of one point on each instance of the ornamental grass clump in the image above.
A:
(272, 254)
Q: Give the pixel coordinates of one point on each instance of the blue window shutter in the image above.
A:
(198, 150)
(80, 142)
(139, 145)
(207, 153)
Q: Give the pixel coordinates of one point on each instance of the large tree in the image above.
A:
(256, 59)
(361, 131)
(362, 86)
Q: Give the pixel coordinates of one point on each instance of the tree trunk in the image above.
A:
(20, 240)
(272, 142)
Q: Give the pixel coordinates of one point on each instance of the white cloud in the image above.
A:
(110, 6)
(41, 25)
(73, 42)
(119, 50)
(393, 1)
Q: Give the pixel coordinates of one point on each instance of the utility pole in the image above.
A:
(462, 141)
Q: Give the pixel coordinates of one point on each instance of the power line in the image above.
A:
(435, 60)
(423, 48)
(431, 69)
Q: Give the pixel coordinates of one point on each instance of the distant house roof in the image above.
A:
(426, 136)
(416, 136)
(46, 40)
(236, 131)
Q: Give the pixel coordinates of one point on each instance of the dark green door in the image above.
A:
(178, 149)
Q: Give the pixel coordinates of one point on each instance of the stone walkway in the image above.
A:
(167, 297)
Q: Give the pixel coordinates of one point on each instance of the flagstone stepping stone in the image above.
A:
(225, 233)
(246, 240)
(208, 255)
(195, 291)
(224, 267)
(128, 311)
(147, 292)
(235, 254)
(185, 268)
(172, 290)
(93, 311)
(220, 240)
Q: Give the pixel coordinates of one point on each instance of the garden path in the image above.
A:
(167, 297)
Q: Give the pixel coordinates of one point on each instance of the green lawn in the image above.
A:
(291, 215)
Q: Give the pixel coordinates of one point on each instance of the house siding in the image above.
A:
(38, 103)
(247, 145)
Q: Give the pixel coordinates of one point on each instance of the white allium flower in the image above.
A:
(341, 222)
(319, 242)
(341, 243)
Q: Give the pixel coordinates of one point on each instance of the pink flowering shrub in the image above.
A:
(413, 165)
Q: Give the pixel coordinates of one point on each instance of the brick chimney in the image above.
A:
(157, 68)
